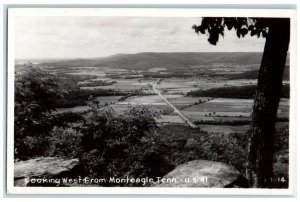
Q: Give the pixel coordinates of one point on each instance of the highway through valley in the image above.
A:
(177, 111)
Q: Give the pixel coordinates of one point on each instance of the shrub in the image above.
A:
(187, 144)
(281, 156)
(69, 117)
(120, 146)
(30, 146)
(64, 142)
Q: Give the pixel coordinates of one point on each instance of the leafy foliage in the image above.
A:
(37, 89)
(281, 156)
(187, 144)
(119, 146)
(35, 95)
(215, 26)
(64, 142)
(149, 151)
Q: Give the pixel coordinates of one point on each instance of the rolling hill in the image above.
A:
(146, 60)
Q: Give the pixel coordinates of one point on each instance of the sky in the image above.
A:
(88, 37)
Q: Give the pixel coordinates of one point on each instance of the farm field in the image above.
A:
(198, 116)
(195, 108)
(130, 80)
(168, 85)
(227, 129)
(108, 99)
(225, 107)
(150, 99)
(174, 88)
(77, 109)
(120, 108)
(165, 119)
(224, 129)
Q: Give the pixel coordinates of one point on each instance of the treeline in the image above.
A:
(72, 95)
(223, 122)
(80, 97)
(241, 92)
(169, 75)
(75, 78)
(233, 122)
(97, 83)
(253, 74)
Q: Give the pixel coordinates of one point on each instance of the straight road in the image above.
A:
(177, 111)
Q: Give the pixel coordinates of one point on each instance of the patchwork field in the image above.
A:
(224, 129)
(149, 100)
(220, 113)
(168, 85)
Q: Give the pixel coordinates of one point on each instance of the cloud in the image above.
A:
(70, 37)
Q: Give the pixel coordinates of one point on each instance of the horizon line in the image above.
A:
(68, 58)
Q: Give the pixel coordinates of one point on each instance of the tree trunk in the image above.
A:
(266, 101)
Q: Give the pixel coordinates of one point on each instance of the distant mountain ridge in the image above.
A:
(146, 60)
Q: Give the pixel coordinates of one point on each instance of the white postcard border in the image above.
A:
(147, 12)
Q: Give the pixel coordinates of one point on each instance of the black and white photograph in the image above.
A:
(159, 101)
